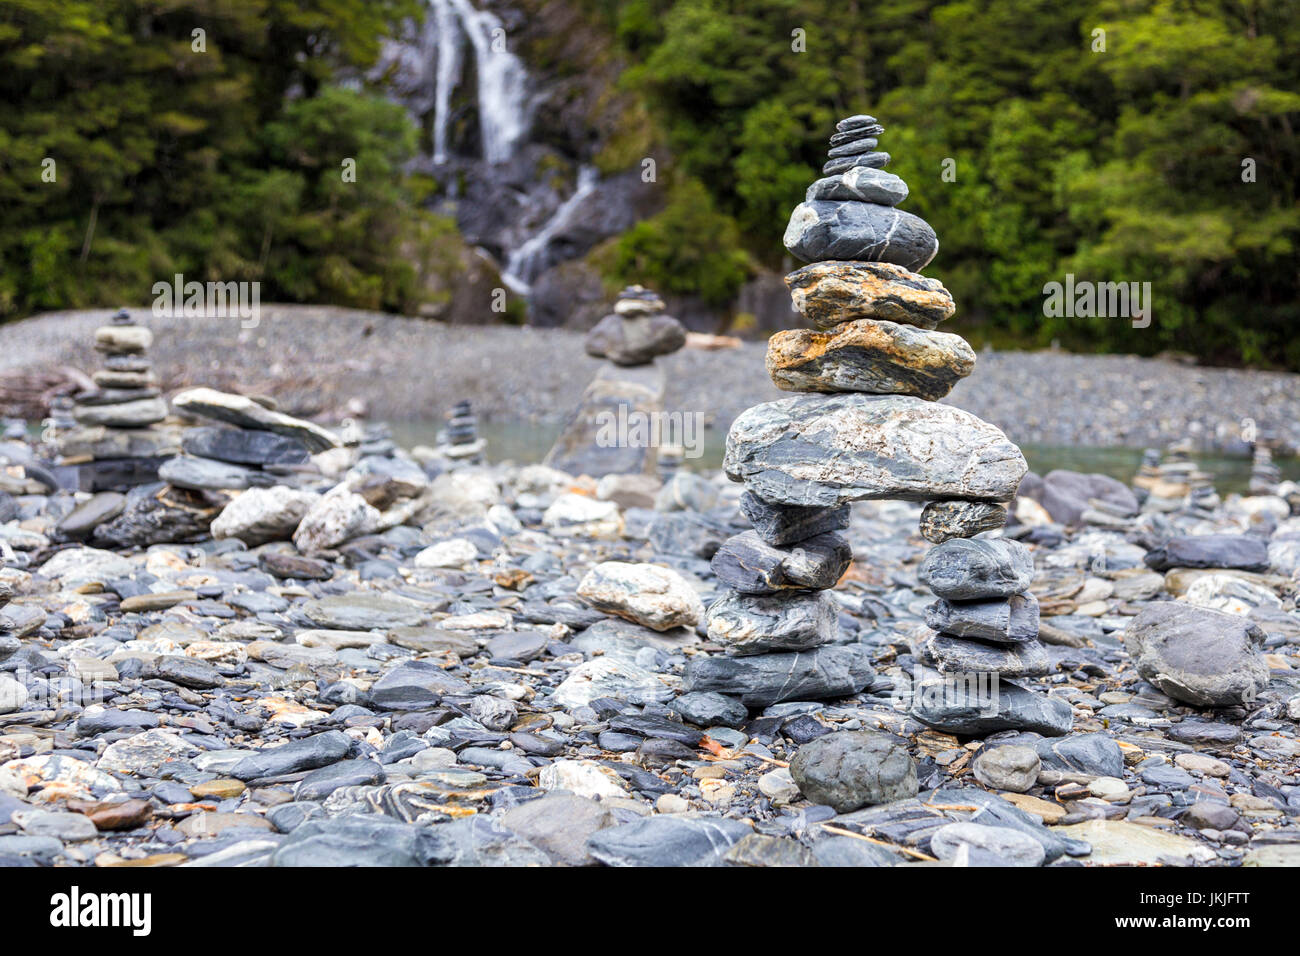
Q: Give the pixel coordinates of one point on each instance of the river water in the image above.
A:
(526, 442)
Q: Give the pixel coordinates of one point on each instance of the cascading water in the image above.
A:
(525, 263)
(448, 39)
(502, 79)
(497, 197)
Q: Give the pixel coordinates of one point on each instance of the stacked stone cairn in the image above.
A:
(866, 425)
(628, 388)
(1175, 483)
(118, 440)
(247, 445)
(460, 440)
(1265, 475)
(637, 331)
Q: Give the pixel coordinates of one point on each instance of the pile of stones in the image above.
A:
(629, 388)
(460, 440)
(1174, 482)
(1264, 472)
(117, 440)
(637, 331)
(866, 426)
(252, 446)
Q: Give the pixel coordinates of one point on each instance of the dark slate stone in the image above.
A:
(963, 569)
(709, 709)
(827, 672)
(787, 524)
(949, 705)
(308, 753)
(667, 841)
(244, 446)
(1002, 620)
(1242, 552)
(852, 230)
(750, 565)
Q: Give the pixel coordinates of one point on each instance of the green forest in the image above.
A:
(1111, 140)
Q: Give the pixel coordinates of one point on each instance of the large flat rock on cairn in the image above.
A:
(819, 450)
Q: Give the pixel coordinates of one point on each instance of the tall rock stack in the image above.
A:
(599, 436)
(866, 426)
(117, 441)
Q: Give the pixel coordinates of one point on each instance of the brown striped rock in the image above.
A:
(880, 358)
(828, 293)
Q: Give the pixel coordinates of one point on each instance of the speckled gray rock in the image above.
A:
(957, 655)
(825, 450)
(853, 769)
(1197, 655)
(1002, 620)
(560, 824)
(986, 845)
(750, 565)
(635, 340)
(967, 569)
(786, 524)
(860, 230)
(748, 624)
(941, 520)
(1014, 768)
(827, 672)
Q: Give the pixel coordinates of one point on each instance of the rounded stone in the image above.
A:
(1012, 767)
(853, 769)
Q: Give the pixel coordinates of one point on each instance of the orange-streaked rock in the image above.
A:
(828, 293)
(878, 358)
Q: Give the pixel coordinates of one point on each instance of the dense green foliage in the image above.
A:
(132, 149)
(1122, 164)
(1112, 140)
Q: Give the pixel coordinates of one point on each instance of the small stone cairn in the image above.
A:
(1265, 476)
(118, 439)
(1174, 482)
(864, 424)
(460, 440)
(637, 331)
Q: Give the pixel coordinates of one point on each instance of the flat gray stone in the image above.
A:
(826, 450)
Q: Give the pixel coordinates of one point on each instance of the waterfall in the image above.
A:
(448, 73)
(502, 79)
(525, 262)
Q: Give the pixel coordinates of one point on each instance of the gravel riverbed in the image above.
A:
(322, 362)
